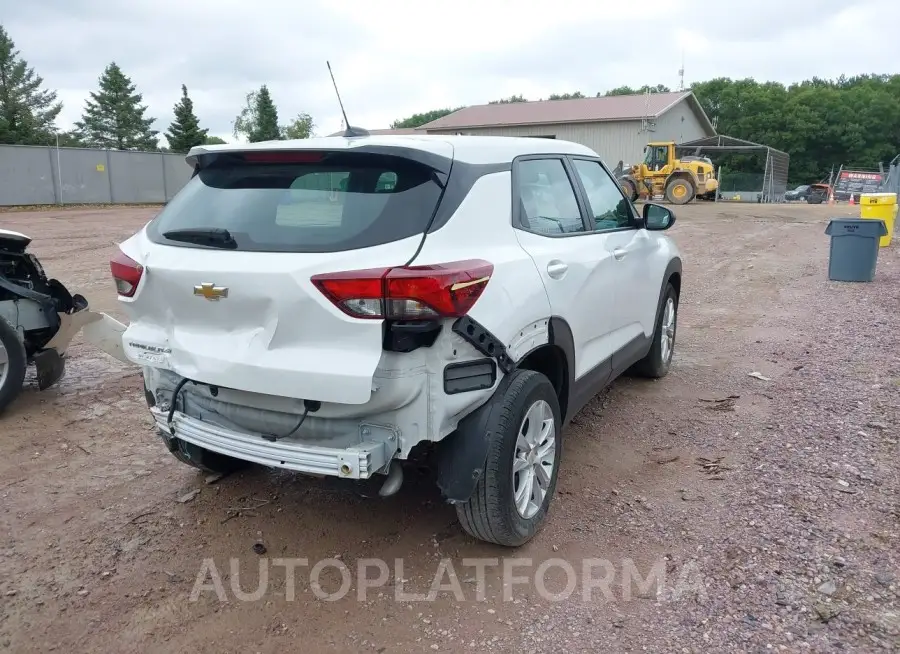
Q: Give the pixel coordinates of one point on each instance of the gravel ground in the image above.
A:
(730, 512)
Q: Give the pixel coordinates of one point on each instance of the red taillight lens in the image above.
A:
(447, 290)
(126, 273)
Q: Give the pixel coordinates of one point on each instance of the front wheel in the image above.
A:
(629, 189)
(512, 497)
(656, 364)
(13, 362)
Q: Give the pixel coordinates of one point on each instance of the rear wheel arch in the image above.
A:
(550, 360)
(682, 175)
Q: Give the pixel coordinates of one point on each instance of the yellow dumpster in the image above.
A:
(880, 206)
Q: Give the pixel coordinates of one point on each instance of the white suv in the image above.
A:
(331, 305)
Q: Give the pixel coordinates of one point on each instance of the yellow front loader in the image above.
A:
(661, 174)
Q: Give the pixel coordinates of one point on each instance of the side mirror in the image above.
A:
(658, 217)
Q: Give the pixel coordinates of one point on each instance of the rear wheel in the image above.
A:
(201, 458)
(12, 364)
(513, 495)
(679, 191)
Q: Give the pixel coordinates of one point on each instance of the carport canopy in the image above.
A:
(775, 175)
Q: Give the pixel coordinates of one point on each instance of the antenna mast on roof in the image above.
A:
(349, 131)
(681, 73)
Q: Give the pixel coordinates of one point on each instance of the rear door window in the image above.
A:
(548, 203)
(341, 201)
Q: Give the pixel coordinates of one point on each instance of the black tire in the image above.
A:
(12, 379)
(202, 459)
(672, 189)
(629, 189)
(655, 365)
(491, 514)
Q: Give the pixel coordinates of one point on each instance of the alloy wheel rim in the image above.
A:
(534, 460)
(4, 364)
(668, 331)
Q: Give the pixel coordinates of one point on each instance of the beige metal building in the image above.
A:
(616, 127)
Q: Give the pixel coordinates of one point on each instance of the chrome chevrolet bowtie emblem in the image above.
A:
(210, 291)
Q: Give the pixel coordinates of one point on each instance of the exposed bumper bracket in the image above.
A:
(485, 342)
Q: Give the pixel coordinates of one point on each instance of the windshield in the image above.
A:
(343, 201)
(802, 188)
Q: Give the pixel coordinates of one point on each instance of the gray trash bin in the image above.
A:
(854, 248)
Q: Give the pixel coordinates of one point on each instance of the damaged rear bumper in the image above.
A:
(360, 461)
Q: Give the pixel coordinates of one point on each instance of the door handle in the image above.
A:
(619, 253)
(557, 269)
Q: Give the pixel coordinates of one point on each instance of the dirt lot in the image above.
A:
(768, 508)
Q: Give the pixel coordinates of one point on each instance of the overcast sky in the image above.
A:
(392, 59)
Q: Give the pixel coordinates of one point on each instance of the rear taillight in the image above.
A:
(126, 273)
(446, 290)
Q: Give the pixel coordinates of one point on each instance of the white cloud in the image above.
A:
(395, 59)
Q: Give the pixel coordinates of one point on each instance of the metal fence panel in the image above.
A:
(84, 176)
(26, 176)
(136, 177)
(47, 175)
(176, 173)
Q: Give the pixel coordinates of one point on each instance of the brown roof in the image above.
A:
(584, 110)
(385, 132)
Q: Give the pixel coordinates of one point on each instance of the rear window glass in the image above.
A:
(343, 202)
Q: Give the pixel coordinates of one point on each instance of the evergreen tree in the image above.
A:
(114, 116)
(184, 133)
(258, 121)
(27, 112)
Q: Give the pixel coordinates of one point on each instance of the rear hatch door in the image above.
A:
(225, 296)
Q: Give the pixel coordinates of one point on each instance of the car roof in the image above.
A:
(470, 149)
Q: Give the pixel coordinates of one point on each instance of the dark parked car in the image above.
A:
(811, 193)
(798, 193)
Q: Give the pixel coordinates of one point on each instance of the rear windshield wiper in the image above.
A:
(214, 237)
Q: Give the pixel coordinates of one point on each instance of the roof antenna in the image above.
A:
(350, 131)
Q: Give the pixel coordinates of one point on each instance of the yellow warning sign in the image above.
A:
(100, 168)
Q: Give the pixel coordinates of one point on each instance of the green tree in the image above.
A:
(69, 139)
(417, 120)
(627, 90)
(184, 132)
(258, 120)
(214, 140)
(27, 111)
(300, 128)
(566, 96)
(510, 100)
(114, 116)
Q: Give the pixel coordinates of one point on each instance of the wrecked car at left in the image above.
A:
(39, 317)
